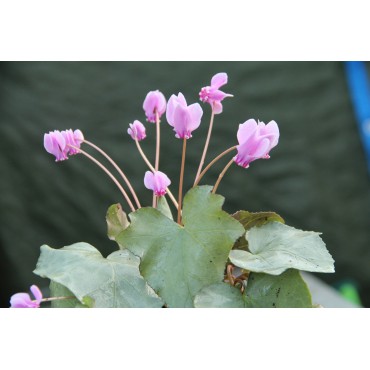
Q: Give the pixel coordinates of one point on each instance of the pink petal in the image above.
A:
(153, 101)
(22, 300)
(218, 95)
(217, 107)
(196, 113)
(246, 130)
(150, 102)
(181, 100)
(219, 80)
(171, 106)
(149, 180)
(36, 292)
(261, 148)
(78, 136)
(157, 182)
(182, 121)
(162, 182)
(273, 129)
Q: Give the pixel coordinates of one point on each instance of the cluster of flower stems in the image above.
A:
(135, 204)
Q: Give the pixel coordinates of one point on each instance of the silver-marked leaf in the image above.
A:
(219, 295)
(96, 281)
(178, 261)
(262, 291)
(276, 247)
(58, 290)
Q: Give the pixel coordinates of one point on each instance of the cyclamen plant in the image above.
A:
(207, 257)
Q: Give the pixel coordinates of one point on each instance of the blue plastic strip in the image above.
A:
(359, 87)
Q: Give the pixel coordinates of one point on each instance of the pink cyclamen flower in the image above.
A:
(183, 118)
(154, 102)
(58, 143)
(212, 94)
(23, 300)
(137, 130)
(157, 181)
(255, 141)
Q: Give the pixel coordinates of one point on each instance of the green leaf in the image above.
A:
(263, 290)
(116, 220)
(219, 295)
(114, 281)
(286, 290)
(178, 261)
(275, 247)
(164, 207)
(251, 219)
(58, 290)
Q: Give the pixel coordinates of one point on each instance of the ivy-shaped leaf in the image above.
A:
(251, 219)
(96, 281)
(58, 290)
(219, 295)
(262, 291)
(178, 261)
(275, 247)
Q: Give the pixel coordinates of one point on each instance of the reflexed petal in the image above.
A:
(219, 80)
(22, 300)
(78, 136)
(218, 95)
(196, 113)
(181, 100)
(149, 180)
(154, 101)
(149, 102)
(161, 103)
(36, 292)
(137, 130)
(261, 149)
(246, 130)
(182, 120)
(171, 106)
(162, 182)
(273, 129)
(217, 107)
(157, 182)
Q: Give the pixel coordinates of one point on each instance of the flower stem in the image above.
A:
(158, 142)
(205, 147)
(118, 170)
(144, 156)
(181, 181)
(153, 169)
(157, 123)
(56, 298)
(108, 173)
(212, 163)
(222, 175)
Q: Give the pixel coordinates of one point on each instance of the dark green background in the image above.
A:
(316, 178)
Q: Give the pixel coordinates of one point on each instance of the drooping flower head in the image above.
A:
(157, 181)
(183, 118)
(212, 94)
(23, 300)
(255, 141)
(137, 131)
(58, 143)
(154, 102)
